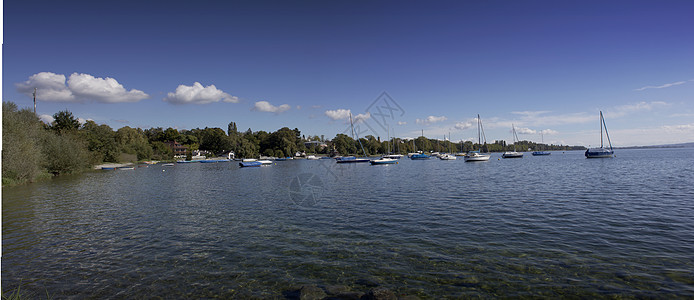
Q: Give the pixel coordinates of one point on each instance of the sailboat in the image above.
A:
(418, 155)
(448, 156)
(385, 160)
(477, 155)
(540, 153)
(352, 159)
(513, 154)
(393, 155)
(601, 152)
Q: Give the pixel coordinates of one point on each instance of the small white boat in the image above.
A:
(311, 157)
(513, 154)
(249, 159)
(447, 156)
(384, 161)
(393, 156)
(477, 155)
(265, 162)
(168, 165)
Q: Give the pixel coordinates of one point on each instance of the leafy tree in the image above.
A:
(101, 142)
(64, 121)
(344, 144)
(134, 141)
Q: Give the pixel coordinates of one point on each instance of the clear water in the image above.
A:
(546, 226)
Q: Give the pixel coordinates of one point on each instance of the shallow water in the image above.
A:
(548, 226)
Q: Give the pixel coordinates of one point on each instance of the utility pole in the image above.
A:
(34, 101)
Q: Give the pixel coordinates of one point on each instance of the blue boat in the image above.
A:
(350, 160)
(246, 164)
(601, 152)
(540, 153)
(280, 159)
(419, 156)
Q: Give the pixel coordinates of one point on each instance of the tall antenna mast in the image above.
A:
(34, 100)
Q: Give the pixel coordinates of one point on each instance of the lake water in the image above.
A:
(546, 226)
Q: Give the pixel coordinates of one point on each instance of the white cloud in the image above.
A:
(362, 117)
(267, 107)
(667, 85)
(50, 87)
(521, 130)
(48, 119)
(83, 120)
(338, 114)
(431, 120)
(106, 90)
(402, 123)
(641, 106)
(463, 125)
(197, 94)
(79, 88)
(548, 131)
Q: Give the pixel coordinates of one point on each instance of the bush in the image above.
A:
(22, 132)
(65, 154)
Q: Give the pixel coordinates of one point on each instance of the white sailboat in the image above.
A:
(513, 154)
(478, 155)
(448, 156)
(601, 152)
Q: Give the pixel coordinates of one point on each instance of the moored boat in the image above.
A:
(478, 155)
(601, 152)
(513, 154)
(246, 164)
(419, 156)
(384, 161)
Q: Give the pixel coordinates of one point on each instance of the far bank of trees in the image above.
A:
(32, 149)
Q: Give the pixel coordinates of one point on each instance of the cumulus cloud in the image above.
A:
(338, 114)
(50, 87)
(106, 90)
(79, 88)
(267, 107)
(362, 117)
(463, 125)
(431, 120)
(198, 94)
(548, 131)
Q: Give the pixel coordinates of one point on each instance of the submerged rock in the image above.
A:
(380, 293)
(311, 292)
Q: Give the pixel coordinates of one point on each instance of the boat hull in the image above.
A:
(477, 157)
(387, 161)
(351, 160)
(249, 164)
(599, 153)
(419, 157)
(540, 153)
(512, 155)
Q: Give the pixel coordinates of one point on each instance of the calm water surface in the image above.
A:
(559, 225)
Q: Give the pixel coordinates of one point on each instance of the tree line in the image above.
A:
(34, 150)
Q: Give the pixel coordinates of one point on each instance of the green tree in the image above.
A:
(64, 121)
(101, 142)
(134, 141)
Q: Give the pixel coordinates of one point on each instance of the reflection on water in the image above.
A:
(548, 226)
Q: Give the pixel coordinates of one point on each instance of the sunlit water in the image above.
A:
(548, 226)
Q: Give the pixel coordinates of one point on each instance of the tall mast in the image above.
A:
(479, 135)
(601, 122)
(34, 100)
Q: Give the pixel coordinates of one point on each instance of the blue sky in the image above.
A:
(543, 66)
